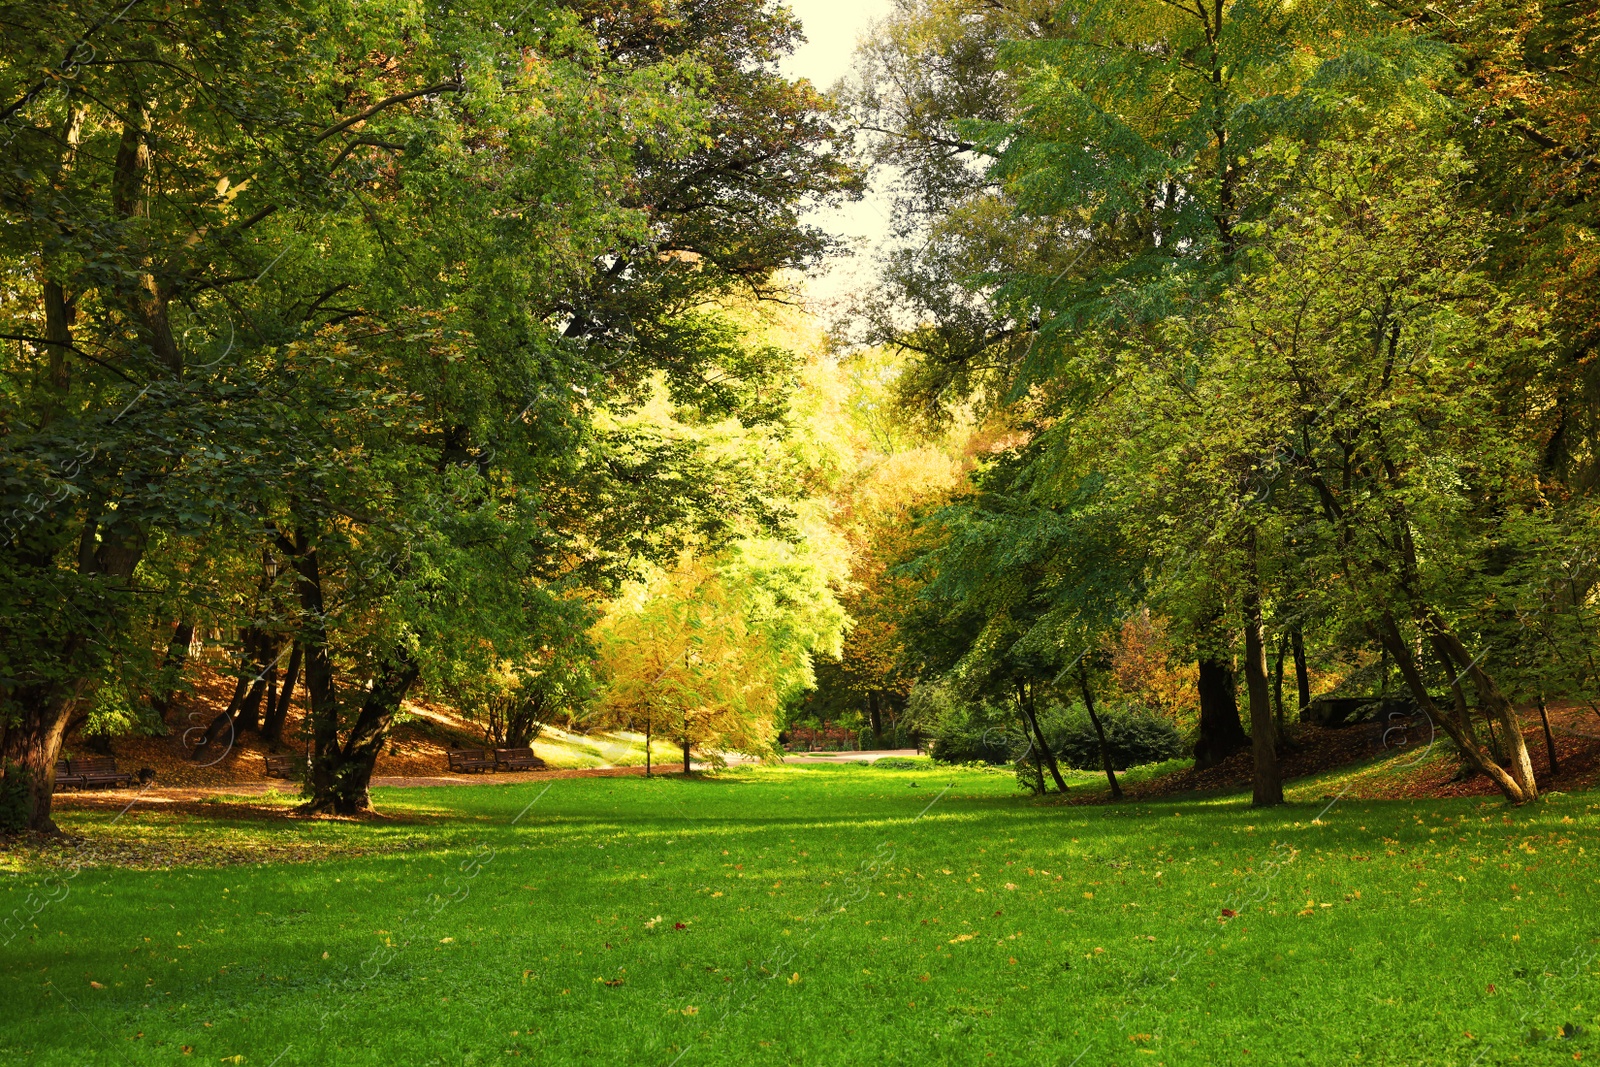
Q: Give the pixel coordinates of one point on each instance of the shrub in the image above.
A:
(16, 803)
(973, 737)
(903, 763)
(1135, 738)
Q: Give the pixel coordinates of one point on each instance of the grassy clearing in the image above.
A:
(616, 748)
(821, 915)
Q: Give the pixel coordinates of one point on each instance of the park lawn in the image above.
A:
(819, 915)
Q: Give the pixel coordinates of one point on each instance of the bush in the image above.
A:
(1135, 738)
(970, 738)
(958, 731)
(16, 802)
(903, 763)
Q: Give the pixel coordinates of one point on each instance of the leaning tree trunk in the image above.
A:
(278, 710)
(1387, 630)
(1046, 757)
(242, 712)
(1099, 731)
(1220, 732)
(1495, 702)
(1268, 783)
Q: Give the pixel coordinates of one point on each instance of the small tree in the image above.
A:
(682, 659)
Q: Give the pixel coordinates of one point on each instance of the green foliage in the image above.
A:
(966, 732)
(1134, 737)
(16, 800)
(903, 763)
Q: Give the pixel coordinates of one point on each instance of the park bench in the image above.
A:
(517, 759)
(471, 759)
(807, 739)
(96, 770)
(282, 766)
(65, 779)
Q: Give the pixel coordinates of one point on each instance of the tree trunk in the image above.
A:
(278, 711)
(224, 729)
(875, 716)
(1549, 742)
(1492, 700)
(1220, 732)
(1302, 678)
(1388, 631)
(1099, 731)
(172, 666)
(647, 772)
(33, 745)
(526, 723)
(1268, 783)
(108, 554)
(1038, 757)
(1025, 698)
(322, 698)
(1277, 684)
(341, 782)
(685, 743)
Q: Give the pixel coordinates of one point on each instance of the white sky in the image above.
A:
(832, 28)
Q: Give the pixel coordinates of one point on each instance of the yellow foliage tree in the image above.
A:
(683, 659)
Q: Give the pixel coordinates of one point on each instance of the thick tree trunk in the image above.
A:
(1025, 699)
(1220, 732)
(1302, 677)
(322, 699)
(875, 716)
(33, 744)
(1099, 731)
(1388, 631)
(685, 743)
(1268, 783)
(342, 781)
(108, 553)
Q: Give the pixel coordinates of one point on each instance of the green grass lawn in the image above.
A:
(818, 915)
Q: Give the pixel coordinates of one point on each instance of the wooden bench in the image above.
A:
(99, 770)
(65, 779)
(282, 766)
(463, 760)
(517, 759)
